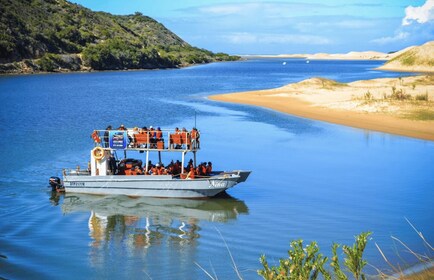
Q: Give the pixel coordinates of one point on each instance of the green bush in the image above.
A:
(48, 63)
(308, 263)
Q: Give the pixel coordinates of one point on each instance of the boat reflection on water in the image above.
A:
(144, 221)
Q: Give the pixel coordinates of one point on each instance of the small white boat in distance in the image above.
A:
(109, 175)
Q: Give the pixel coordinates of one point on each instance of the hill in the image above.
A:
(417, 59)
(55, 35)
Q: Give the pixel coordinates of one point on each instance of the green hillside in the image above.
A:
(55, 35)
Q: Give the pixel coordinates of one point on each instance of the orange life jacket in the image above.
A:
(191, 173)
(203, 169)
(95, 137)
(158, 134)
(193, 134)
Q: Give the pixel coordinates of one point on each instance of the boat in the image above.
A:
(109, 174)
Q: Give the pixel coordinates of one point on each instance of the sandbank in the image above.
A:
(392, 105)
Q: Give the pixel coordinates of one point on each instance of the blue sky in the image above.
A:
(282, 27)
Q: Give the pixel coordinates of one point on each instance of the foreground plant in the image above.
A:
(303, 263)
(308, 262)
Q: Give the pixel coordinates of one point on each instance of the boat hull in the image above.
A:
(153, 186)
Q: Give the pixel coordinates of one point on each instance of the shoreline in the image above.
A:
(313, 103)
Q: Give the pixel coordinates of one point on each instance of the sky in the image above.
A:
(287, 26)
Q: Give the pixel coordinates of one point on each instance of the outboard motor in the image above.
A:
(56, 184)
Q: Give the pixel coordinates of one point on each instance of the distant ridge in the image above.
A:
(417, 59)
(56, 35)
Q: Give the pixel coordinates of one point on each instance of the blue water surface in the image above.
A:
(311, 180)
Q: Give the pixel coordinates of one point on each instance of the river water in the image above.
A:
(310, 180)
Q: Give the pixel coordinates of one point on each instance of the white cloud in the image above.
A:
(222, 9)
(422, 14)
(387, 40)
(264, 9)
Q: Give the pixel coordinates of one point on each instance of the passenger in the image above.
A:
(161, 170)
(131, 137)
(195, 135)
(159, 134)
(112, 165)
(122, 127)
(203, 170)
(152, 138)
(209, 168)
(175, 140)
(155, 169)
(176, 169)
(169, 169)
(191, 173)
(189, 165)
(184, 136)
(106, 136)
(138, 170)
(149, 170)
(144, 130)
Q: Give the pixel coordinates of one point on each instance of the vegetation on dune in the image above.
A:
(39, 34)
(414, 57)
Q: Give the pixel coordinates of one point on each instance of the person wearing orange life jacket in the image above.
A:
(194, 134)
(159, 134)
(191, 174)
(203, 169)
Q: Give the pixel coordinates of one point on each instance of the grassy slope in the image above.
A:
(420, 58)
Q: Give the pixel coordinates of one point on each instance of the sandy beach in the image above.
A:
(401, 106)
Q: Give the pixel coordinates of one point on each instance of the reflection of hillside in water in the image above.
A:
(142, 222)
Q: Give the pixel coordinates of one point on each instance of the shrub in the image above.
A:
(308, 263)
(48, 63)
(368, 95)
(422, 97)
(400, 95)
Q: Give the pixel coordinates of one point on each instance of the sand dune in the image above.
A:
(403, 106)
(415, 59)
(366, 55)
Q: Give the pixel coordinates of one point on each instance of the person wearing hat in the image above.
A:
(154, 169)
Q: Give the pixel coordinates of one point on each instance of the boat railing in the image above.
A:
(76, 172)
(142, 140)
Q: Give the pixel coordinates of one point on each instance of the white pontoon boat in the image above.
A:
(107, 174)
